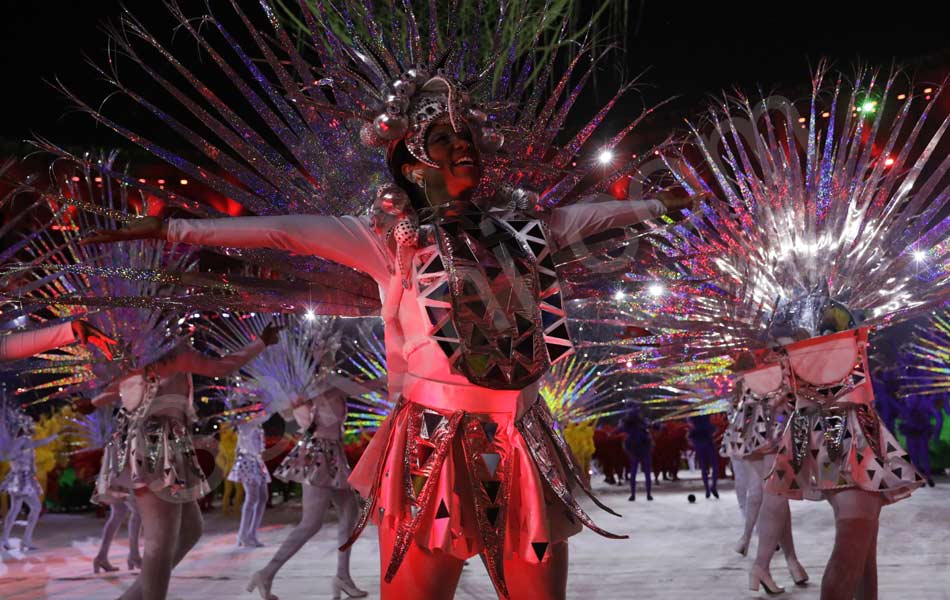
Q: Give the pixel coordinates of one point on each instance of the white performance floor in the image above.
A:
(677, 550)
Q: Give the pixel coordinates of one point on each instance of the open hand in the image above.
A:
(87, 333)
(143, 228)
(269, 335)
(677, 199)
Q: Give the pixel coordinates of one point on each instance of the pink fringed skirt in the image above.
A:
(468, 482)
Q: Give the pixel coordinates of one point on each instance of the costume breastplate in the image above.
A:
(493, 300)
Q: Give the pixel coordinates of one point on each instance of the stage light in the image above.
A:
(605, 157)
(656, 289)
(183, 182)
(310, 315)
(919, 255)
(928, 90)
(619, 295)
(888, 161)
(902, 96)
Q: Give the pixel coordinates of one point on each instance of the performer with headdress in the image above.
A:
(251, 472)
(20, 482)
(820, 228)
(294, 377)
(461, 250)
(152, 454)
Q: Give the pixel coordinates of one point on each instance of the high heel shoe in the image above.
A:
(342, 585)
(795, 568)
(262, 586)
(134, 562)
(758, 576)
(103, 564)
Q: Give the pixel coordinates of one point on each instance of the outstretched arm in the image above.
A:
(570, 224)
(189, 361)
(27, 343)
(24, 344)
(347, 240)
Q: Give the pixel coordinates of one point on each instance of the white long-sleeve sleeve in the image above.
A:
(569, 224)
(347, 240)
(23, 344)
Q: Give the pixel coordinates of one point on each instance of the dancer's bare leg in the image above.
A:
(253, 500)
(856, 524)
(316, 500)
(344, 501)
(16, 504)
(423, 575)
(867, 589)
(259, 513)
(36, 508)
(183, 527)
(544, 581)
(134, 529)
(753, 503)
(773, 524)
(161, 522)
(742, 474)
(788, 549)
(118, 511)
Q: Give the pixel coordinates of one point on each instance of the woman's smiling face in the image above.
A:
(459, 162)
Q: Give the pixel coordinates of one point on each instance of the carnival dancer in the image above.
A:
(152, 455)
(20, 482)
(443, 390)
(317, 462)
(760, 417)
(251, 472)
(461, 251)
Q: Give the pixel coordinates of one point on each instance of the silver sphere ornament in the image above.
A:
(390, 127)
(492, 140)
(396, 105)
(404, 87)
(392, 199)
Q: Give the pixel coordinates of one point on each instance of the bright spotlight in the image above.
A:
(919, 255)
(310, 315)
(619, 295)
(605, 157)
(656, 289)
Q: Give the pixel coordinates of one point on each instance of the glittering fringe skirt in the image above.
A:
(21, 482)
(840, 447)
(154, 452)
(249, 469)
(316, 461)
(751, 432)
(468, 484)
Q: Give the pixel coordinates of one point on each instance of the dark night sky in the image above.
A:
(689, 49)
